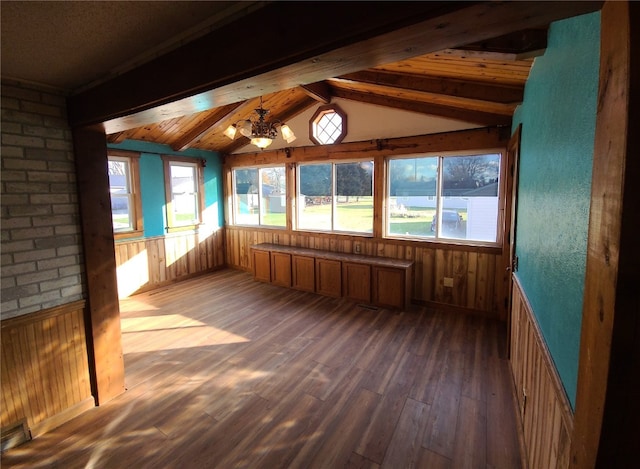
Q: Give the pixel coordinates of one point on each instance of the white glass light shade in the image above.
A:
(287, 133)
(231, 131)
(245, 128)
(261, 142)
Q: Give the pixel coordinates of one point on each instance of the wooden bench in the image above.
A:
(381, 281)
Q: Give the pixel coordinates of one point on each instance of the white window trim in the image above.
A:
(135, 202)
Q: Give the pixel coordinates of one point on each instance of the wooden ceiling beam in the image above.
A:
(212, 121)
(506, 94)
(518, 45)
(118, 137)
(319, 91)
(467, 115)
(461, 140)
(202, 75)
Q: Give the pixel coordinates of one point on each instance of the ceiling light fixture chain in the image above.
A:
(261, 132)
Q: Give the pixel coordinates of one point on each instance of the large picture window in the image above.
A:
(260, 196)
(124, 189)
(184, 193)
(444, 197)
(336, 197)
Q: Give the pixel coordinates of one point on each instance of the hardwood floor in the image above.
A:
(225, 372)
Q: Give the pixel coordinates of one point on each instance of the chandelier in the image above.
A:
(261, 132)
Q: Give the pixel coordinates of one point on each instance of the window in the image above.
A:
(184, 192)
(124, 189)
(260, 196)
(336, 197)
(328, 125)
(444, 197)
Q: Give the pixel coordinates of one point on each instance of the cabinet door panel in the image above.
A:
(304, 277)
(389, 287)
(262, 266)
(281, 269)
(356, 281)
(329, 277)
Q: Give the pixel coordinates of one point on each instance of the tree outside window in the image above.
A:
(336, 197)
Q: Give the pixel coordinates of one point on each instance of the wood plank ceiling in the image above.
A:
(480, 83)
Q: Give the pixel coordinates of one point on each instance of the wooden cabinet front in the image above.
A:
(365, 279)
(262, 266)
(390, 287)
(356, 281)
(281, 269)
(303, 273)
(329, 277)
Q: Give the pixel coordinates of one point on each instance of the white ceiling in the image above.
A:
(71, 45)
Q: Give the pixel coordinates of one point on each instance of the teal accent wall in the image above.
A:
(558, 117)
(152, 184)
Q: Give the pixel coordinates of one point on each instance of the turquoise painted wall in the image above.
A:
(558, 118)
(152, 184)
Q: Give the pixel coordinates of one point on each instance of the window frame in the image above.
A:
(321, 111)
(438, 197)
(334, 185)
(135, 195)
(259, 168)
(198, 165)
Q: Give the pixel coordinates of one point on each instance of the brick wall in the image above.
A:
(41, 246)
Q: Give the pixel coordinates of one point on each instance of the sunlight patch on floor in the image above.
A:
(154, 323)
(172, 331)
(132, 304)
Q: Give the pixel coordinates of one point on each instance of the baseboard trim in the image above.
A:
(64, 416)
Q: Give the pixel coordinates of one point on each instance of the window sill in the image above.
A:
(178, 229)
(266, 227)
(445, 242)
(361, 234)
(118, 235)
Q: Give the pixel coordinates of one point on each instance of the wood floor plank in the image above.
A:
(442, 423)
(223, 371)
(429, 459)
(405, 445)
(337, 446)
(325, 422)
(471, 435)
(360, 462)
(262, 445)
(501, 417)
(382, 423)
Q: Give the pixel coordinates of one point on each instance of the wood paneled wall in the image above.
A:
(545, 413)
(45, 369)
(478, 278)
(478, 272)
(149, 263)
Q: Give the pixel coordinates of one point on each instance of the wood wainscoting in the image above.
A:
(544, 410)
(144, 264)
(477, 272)
(45, 369)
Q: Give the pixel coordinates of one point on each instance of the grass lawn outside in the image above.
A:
(353, 216)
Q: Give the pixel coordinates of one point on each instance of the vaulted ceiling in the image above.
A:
(479, 83)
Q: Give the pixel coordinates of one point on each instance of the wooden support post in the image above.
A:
(606, 431)
(104, 341)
